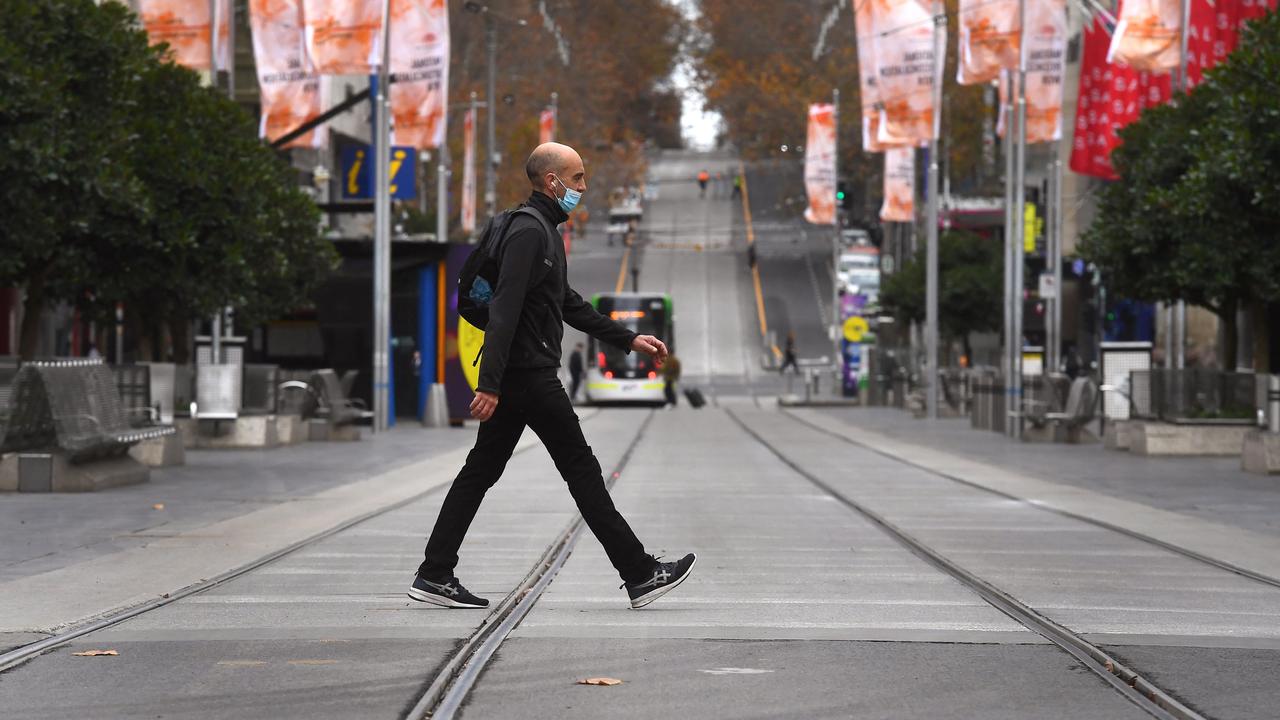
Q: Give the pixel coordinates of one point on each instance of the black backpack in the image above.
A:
(478, 278)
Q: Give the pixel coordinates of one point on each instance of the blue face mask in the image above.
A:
(571, 197)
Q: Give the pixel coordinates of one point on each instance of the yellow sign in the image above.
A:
(854, 328)
(1032, 226)
(470, 341)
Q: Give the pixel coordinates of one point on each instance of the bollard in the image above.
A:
(437, 410)
(1273, 403)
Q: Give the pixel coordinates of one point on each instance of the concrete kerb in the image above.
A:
(1253, 552)
(111, 583)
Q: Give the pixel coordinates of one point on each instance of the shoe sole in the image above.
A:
(426, 597)
(652, 595)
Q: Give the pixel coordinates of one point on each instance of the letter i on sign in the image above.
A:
(397, 159)
(353, 187)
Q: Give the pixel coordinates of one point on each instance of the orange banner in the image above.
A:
(907, 57)
(989, 31)
(1046, 63)
(292, 92)
(820, 165)
(420, 61)
(184, 25)
(469, 171)
(1148, 35)
(547, 126)
(868, 89)
(342, 35)
(899, 185)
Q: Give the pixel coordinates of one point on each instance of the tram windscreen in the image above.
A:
(646, 315)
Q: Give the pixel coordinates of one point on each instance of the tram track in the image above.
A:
(1131, 684)
(1141, 537)
(24, 653)
(451, 685)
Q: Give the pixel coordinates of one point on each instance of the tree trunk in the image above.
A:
(179, 330)
(32, 309)
(1230, 334)
(140, 329)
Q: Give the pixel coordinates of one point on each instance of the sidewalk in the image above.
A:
(1214, 489)
(41, 532)
(221, 511)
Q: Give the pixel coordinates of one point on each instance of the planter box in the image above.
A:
(1187, 438)
(1261, 453)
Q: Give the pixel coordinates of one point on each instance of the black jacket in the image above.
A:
(533, 301)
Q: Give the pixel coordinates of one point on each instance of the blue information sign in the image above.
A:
(357, 172)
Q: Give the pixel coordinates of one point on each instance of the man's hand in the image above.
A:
(483, 405)
(650, 345)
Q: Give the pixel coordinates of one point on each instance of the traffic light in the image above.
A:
(844, 198)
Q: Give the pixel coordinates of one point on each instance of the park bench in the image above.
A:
(1080, 410)
(334, 405)
(70, 412)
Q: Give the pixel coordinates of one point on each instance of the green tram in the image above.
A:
(614, 376)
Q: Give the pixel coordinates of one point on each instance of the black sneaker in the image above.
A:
(666, 576)
(450, 594)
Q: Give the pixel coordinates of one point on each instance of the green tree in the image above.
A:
(68, 91)
(227, 226)
(969, 280)
(1195, 214)
(129, 182)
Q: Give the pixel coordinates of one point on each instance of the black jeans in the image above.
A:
(533, 397)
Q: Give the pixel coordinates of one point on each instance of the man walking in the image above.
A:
(519, 387)
(575, 371)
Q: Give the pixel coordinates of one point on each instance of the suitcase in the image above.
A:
(695, 398)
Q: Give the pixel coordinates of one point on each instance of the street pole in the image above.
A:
(382, 233)
(1055, 229)
(442, 186)
(1006, 358)
(1180, 310)
(1019, 224)
(555, 115)
(835, 236)
(491, 167)
(931, 220)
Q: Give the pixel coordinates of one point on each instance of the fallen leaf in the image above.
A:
(158, 506)
(600, 681)
(95, 653)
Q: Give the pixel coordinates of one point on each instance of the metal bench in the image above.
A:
(1081, 409)
(334, 405)
(74, 407)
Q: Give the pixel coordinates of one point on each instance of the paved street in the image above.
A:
(852, 562)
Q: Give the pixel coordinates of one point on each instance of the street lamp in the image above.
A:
(491, 42)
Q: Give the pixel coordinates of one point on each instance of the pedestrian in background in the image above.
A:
(519, 386)
(789, 355)
(575, 371)
(737, 185)
(670, 376)
(703, 177)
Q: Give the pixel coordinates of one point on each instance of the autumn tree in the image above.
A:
(610, 64)
(759, 70)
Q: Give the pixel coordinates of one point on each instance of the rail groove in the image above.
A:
(1133, 686)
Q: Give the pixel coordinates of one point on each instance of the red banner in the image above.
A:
(547, 126)
(1112, 96)
(469, 171)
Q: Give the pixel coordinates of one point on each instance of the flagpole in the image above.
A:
(932, 374)
(1006, 360)
(382, 234)
(1184, 85)
(835, 227)
(1019, 221)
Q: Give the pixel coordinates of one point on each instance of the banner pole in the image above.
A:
(931, 220)
(382, 234)
(835, 227)
(1019, 220)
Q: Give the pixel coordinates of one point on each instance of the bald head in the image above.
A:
(553, 160)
